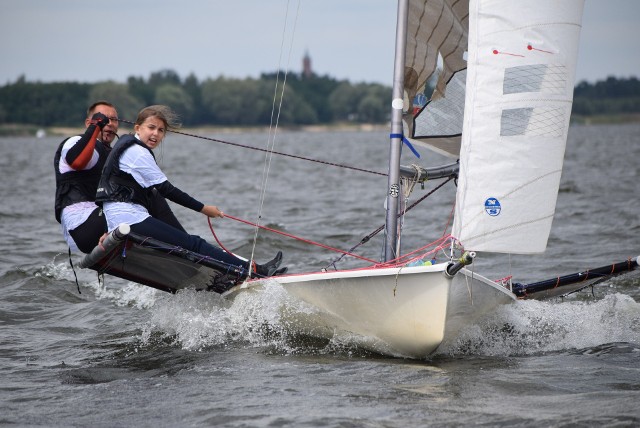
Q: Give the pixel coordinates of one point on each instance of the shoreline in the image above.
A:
(26, 130)
(20, 130)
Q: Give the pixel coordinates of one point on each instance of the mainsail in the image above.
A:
(520, 75)
(501, 104)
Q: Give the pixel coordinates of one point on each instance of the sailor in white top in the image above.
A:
(129, 176)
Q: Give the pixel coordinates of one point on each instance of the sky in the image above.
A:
(85, 41)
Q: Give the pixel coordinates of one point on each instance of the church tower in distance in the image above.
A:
(306, 66)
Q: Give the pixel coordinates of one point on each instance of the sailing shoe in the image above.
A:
(270, 267)
(281, 271)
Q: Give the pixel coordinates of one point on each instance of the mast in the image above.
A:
(394, 191)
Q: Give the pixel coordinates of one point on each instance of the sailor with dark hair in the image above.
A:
(78, 163)
(130, 175)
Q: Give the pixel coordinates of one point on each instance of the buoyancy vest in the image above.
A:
(118, 186)
(77, 186)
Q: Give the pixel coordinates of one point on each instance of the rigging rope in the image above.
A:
(400, 260)
(272, 152)
(396, 261)
(272, 141)
(279, 232)
(379, 229)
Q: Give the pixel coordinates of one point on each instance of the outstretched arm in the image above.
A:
(176, 195)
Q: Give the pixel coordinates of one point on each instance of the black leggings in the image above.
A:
(161, 231)
(87, 235)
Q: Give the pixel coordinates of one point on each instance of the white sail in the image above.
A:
(520, 78)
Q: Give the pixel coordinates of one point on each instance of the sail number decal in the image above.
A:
(492, 207)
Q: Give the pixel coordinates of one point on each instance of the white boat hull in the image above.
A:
(395, 311)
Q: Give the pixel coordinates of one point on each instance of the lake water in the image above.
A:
(120, 354)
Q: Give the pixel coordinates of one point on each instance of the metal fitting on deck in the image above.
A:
(455, 266)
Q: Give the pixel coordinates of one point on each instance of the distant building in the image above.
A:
(306, 66)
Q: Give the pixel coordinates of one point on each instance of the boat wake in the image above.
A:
(267, 318)
(536, 327)
(272, 319)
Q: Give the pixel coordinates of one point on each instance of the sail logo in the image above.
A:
(492, 207)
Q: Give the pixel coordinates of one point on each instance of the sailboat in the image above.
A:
(501, 105)
(500, 108)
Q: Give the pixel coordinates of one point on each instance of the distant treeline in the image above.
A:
(220, 101)
(249, 102)
(607, 97)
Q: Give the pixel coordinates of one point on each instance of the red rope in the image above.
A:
(216, 236)
(450, 219)
(398, 261)
(287, 235)
(439, 243)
